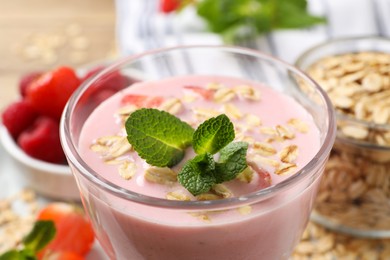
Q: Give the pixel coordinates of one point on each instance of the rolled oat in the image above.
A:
(355, 189)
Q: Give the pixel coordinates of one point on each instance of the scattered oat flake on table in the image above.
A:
(17, 217)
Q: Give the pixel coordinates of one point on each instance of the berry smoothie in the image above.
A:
(282, 138)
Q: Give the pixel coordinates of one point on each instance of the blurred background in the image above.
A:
(38, 35)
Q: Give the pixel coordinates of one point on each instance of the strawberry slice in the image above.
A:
(264, 176)
(49, 93)
(205, 93)
(74, 231)
(142, 100)
(154, 101)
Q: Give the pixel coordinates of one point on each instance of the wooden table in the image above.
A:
(41, 34)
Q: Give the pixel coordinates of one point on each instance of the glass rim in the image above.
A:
(346, 118)
(73, 156)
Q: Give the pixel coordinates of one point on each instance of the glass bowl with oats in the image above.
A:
(354, 195)
(214, 153)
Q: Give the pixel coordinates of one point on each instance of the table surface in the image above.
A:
(37, 35)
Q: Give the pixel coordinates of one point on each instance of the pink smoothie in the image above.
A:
(268, 120)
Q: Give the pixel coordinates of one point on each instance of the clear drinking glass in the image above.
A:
(134, 226)
(354, 196)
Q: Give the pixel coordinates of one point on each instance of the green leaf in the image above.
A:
(218, 14)
(241, 19)
(197, 175)
(42, 233)
(12, 255)
(158, 137)
(232, 161)
(213, 134)
(292, 14)
(18, 255)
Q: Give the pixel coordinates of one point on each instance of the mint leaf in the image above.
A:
(293, 14)
(232, 161)
(41, 234)
(237, 20)
(12, 255)
(158, 137)
(197, 175)
(213, 134)
(23, 254)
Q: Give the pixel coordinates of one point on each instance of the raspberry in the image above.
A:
(18, 116)
(115, 80)
(26, 80)
(92, 72)
(104, 87)
(42, 141)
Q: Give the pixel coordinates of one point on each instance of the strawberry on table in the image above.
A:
(49, 93)
(18, 116)
(74, 231)
(42, 141)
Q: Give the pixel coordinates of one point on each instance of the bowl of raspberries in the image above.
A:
(30, 127)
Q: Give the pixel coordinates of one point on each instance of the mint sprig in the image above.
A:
(246, 19)
(232, 161)
(41, 234)
(213, 135)
(158, 137)
(161, 139)
(197, 175)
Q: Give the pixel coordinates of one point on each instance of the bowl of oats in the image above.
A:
(354, 195)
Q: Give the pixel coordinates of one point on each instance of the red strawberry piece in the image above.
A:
(50, 92)
(142, 100)
(154, 101)
(18, 116)
(74, 232)
(42, 141)
(264, 176)
(62, 256)
(132, 99)
(26, 80)
(168, 6)
(205, 93)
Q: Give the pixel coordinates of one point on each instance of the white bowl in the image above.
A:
(51, 180)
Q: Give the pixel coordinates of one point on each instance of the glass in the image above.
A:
(134, 226)
(354, 195)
